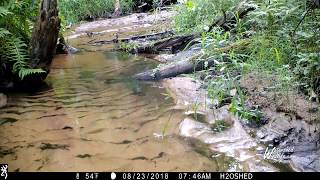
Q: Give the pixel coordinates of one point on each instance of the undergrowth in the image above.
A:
(280, 37)
(16, 19)
(72, 11)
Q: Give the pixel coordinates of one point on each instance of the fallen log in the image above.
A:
(239, 45)
(188, 65)
(175, 69)
(229, 19)
(176, 43)
(153, 36)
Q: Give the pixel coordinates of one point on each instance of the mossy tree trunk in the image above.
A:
(45, 36)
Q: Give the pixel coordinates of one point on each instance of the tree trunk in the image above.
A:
(45, 36)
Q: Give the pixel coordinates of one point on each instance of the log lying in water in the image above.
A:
(174, 69)
(153, 36)
(188, 65)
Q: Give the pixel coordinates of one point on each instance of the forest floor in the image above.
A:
(291, 123)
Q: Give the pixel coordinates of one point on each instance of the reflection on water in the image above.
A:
(96, 118)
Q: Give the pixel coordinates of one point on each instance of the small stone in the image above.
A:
(233, 92)
(3, 100)
(261, 135)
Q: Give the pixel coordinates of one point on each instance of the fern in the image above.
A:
(14, 37)
(28, 71)
(3, 32)
(4, 11)
(18, 54)
(14, 50)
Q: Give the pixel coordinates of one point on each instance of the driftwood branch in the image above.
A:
(153, 36)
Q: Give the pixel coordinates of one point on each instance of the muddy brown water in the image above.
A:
(94, 117)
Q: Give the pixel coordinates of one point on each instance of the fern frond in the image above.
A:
(23, 72)
(4, 32)
(17, 53)
(4, 11)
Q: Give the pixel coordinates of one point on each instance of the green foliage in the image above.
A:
(220, 126)
(128, 47)
(76, 10)
(287, 39)
(283, 37)
(196, 15)
(15, 34)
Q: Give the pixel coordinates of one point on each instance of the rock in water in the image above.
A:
(3, 100)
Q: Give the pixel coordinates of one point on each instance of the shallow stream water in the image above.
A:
(92, 116)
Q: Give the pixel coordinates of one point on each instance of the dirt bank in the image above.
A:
(218, 128)
(293, 121)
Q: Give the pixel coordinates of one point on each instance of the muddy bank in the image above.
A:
(293, 121)
(217, 128)
(292, 124)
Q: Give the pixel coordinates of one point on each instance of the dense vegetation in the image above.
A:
(280, 37)
(72, 11)
(77, 10)
(16, 20)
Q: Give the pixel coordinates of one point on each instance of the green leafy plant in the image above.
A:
(15, 33)
(283, 39)
(73, 11)
(128, 47)
(220, 126)
(196, 15)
